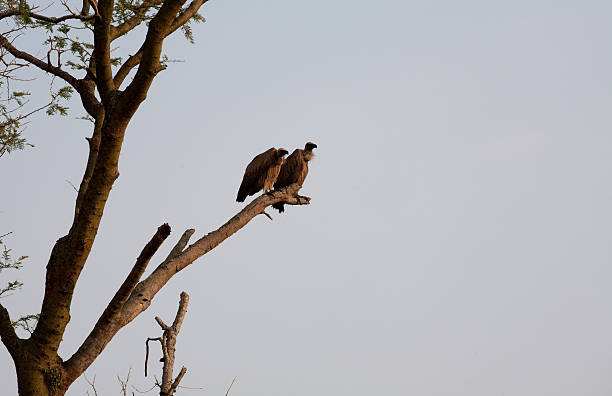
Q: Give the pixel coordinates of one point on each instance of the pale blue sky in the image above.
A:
(458, 240)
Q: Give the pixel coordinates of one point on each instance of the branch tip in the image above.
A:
(164, 230)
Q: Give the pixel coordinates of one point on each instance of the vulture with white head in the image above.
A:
(261, 172)
(294, 170)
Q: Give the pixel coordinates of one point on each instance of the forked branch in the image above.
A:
(147, 289)
(108, 319)
(179, 258)
(134, 60)
(45, 66)
(168, 344)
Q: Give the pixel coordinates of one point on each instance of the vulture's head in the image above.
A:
(280, 156)
(308, 154)
(309, 146)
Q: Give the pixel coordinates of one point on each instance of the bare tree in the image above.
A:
(110, 103)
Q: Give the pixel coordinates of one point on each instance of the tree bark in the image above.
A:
(36, 376)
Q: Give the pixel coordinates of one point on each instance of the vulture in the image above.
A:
(261, 172)
(294, 170)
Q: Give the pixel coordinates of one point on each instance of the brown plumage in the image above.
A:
(261, 172)
(294, 170)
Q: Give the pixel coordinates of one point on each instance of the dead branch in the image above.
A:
(168, 342)
(180, 245)
(145, 291)
(141, 297)
(124, 383)
(147, 353)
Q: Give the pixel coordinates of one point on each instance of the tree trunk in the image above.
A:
(36, 377)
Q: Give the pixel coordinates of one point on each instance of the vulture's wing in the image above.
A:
(291, 171)
(255, 172)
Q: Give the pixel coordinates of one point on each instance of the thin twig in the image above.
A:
(190, 387)
(124, 384)
(8, 233)
(147, 354)
(69, 182)
(92, 383)
(177, 380)
(230, 387)
(147, 391)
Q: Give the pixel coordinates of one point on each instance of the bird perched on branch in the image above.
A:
(294, 170)
(261, 172)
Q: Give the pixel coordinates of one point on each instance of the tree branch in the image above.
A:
(161, 323)
(12, 12)
(180, 245)
(94, 147)
(230, 387)
(134, 60)
(180, 313)
(141, 296)
(102, 53)
(91, 346)
(145, 291)
(136, 92)
(168, 342)
(126, 67)
(146, 371)
(69, 78)
(135, 20)
(83, 87)
(7, 333)
(186, 15)
(177, 380)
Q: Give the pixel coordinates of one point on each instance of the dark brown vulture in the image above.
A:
(261, 172)
(294, 170)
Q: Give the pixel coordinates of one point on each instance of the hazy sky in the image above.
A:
(459, 236)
